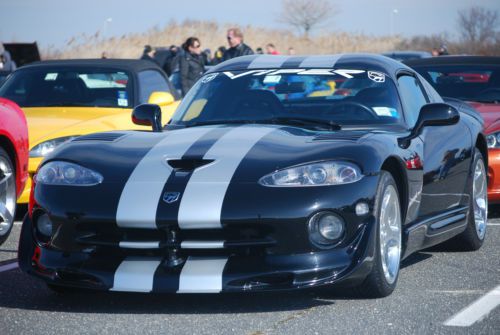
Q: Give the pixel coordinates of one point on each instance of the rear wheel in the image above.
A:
(473, 236)
(384, 275)
(7, 195)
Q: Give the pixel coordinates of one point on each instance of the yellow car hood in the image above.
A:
(45, 123)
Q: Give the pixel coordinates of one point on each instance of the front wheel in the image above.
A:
(382, 280)
(7, 195)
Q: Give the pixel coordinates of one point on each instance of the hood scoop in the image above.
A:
(100, 137)
(188, 164)
(340, 136)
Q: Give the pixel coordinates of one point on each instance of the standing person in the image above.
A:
(6, 63)
(148, 53)
(259, 51)
(191, 64)
(236, 46)
(443, 50)
(291, 51)
(219, 55)
(170, 61)
(271, 49)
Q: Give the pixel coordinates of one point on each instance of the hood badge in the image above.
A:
(171, 197)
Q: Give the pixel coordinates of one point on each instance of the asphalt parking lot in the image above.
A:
(439, 292)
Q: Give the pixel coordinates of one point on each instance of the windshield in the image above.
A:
(68, 87)
(342, 97)
(466, 82)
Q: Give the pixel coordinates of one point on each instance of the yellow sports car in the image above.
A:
(67, 98)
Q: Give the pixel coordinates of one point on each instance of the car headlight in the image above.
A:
(45, 148)
(315, 174)
(493, 140)
(65, 173)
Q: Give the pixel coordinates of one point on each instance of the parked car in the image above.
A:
(13, 162)
(253, 189)
(476, 80)
(67, 98)
(407, 55)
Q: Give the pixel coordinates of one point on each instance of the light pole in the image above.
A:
(105, 25)
(393, 13)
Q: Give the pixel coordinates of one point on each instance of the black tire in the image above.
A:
(469, 240)
(376, 285)
(3, 154)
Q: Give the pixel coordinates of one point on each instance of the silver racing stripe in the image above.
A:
(320, 61)
(202, 275)
(267, 61)
(201, 203)
(139, 198)
(135, 275)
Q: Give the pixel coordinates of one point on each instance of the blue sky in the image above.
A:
(52, 22)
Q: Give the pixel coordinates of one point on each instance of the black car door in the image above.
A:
(446, 153)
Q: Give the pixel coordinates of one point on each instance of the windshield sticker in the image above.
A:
(51, 76)
(377, 77)
(208, 78)
(272, 79)
(385, 111)
(122, 99)
(301, 72)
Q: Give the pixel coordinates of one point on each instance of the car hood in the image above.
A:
(46, 123)
(241, 153)
(490, 114)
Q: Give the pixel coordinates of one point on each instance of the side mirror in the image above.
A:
(436, 114)
(148, 115)
(433, 114)
(161, 98)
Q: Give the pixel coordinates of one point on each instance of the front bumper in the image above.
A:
(494, 176)
(213, 272)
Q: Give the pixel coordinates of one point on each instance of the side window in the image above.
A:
(412, 98)
(151, 81)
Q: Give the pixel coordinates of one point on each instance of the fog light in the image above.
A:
(362, 208)
(44, 225)
(325, 229)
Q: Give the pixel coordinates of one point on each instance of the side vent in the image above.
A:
(100, 137)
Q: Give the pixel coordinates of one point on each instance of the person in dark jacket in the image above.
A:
(236, 46)
(148, 53)
(191, 64)
(219, 55)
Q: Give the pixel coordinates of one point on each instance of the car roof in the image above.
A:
(454, 60)
(340, 61)
(132, 65)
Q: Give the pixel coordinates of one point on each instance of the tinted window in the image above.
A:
(412, 98)
(353, 96)
(472, 82)
(151, 81)
(85, 87)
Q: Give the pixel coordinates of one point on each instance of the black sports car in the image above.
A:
(274, 173)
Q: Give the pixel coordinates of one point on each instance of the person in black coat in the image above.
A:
(236, 46)
(191, 64)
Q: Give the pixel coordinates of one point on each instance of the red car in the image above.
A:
(476, 80)
(13, 162)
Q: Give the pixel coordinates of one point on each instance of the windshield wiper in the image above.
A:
(303, 121)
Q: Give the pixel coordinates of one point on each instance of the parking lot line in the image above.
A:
(477, 310)
(8, 266)
(493, 224)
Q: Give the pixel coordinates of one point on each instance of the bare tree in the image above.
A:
(306, 15)
(477, 27)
